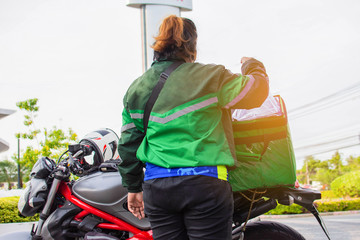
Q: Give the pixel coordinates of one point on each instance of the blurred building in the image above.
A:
(4, 146)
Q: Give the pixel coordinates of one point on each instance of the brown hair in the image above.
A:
(177, 39)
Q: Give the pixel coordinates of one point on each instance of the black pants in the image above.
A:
(189, 207)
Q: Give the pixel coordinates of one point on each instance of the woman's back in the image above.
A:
(186, 126)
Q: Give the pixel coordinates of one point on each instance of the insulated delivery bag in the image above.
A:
(263, 147)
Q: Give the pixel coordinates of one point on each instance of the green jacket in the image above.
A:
(190, 123)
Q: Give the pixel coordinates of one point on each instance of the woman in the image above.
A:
(188, 145)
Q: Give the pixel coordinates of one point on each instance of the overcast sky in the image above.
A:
(79, 58)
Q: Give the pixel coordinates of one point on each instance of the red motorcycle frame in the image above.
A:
(115, 223)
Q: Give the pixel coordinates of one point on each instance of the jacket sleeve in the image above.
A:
(130, 168)
(247, 90)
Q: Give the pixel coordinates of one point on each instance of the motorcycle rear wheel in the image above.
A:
(267, 230)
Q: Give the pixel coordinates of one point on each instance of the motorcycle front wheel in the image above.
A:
(268, 230)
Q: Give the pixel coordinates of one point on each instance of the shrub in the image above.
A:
(283, 209)
(347, 185)
(338, 205)
(9, 212)
(321, 205)
(328, 194)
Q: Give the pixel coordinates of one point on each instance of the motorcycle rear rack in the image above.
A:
(283, 195)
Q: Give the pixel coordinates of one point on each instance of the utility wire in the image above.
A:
(329, 150)
(321, 107)
(342, 131)
(354, 87)
(326, 102)
(326, 143)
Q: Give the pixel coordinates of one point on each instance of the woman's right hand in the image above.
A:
(244, 59)
(136, 204)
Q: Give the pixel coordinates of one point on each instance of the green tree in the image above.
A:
(331, 169)
(309, 170)
(353, 164)
(8, 172)
(31, 108)
(44, 143)
(325, 176)
(326, 171)
(336, 164)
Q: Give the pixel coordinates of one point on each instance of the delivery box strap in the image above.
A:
(266, 138)
(261, 124)
(260, 138)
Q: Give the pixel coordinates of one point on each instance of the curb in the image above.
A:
(309, 214)
(259, 217)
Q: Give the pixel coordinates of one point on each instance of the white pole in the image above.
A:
(152, 14)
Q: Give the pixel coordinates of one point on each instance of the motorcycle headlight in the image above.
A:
(42, 168)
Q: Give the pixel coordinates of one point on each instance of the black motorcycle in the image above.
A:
(95, 204)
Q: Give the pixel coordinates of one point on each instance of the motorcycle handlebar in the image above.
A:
(74, 165)
(76, 148)
(87, 150)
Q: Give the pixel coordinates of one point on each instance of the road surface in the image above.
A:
(340, 226)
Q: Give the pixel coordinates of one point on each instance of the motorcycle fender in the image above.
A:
(16, 235)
